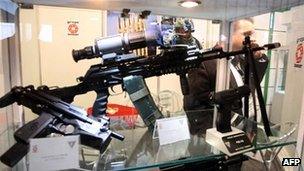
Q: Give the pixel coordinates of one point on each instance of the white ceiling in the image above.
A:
(209, 9)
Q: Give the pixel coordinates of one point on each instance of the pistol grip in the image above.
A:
(100, 104)
(223, 119)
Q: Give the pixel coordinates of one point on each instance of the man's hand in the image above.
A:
(217, 46)
(256, 54)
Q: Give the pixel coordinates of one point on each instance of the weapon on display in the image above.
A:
(226, 101)
(55, 116)
(225, 138)
(120, 66)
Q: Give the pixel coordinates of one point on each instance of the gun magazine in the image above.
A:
(12, 156)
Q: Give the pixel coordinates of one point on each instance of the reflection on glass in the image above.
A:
(46, 34)
(8, 6)
(28, 31)
(283, 59)
(6, 30)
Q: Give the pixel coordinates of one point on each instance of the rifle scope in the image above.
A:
(119, 44)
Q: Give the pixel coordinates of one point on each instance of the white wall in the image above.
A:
(29, 47)
(274, 99)
(3, 119)
(2, 91)
(46, 50)
(287, 106)
(29, 50)
(300, 138)
(7, 116)
(46, 47)
(276, 108)
(291, 109)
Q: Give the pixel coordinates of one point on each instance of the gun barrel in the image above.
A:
(218, 53)
(85, 53)
(117, 136)
(272, 46)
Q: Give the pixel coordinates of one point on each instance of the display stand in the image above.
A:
(270, 154)
(225, 138)
(229, 140)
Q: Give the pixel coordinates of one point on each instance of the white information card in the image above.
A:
(173, 129)
(56, 153)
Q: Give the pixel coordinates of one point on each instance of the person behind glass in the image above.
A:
(203, 79)
(183, 33)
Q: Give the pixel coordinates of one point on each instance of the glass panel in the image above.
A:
(272, 75)
(7, 34)
(282, 68)
(271, 90)
(139, 150)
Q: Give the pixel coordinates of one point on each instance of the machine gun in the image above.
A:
(129, 71)
(119, 66)
(55, 116)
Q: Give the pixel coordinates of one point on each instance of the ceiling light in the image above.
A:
(189, 3)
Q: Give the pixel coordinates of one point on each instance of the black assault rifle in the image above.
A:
(121, 67)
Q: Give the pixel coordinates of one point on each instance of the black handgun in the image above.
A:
(226, 101)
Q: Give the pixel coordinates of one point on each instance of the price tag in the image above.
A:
(173, 129)
(56, 153)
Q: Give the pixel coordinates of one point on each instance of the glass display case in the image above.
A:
(10, 118)
(140, 151)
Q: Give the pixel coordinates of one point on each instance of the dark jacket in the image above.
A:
(192, 41)
(202, 81)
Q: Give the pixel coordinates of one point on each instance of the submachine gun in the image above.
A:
(120, 66)
(55, 116)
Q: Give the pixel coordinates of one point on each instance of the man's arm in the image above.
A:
(261, 64)
(198, 43)
(201, 84)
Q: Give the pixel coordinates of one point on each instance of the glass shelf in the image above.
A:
(140, 151)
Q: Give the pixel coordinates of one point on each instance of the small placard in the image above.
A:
(56, 153)
(173, 129)
(237, 142)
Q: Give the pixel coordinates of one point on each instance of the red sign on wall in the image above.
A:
(73, 28)
(299, 53)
